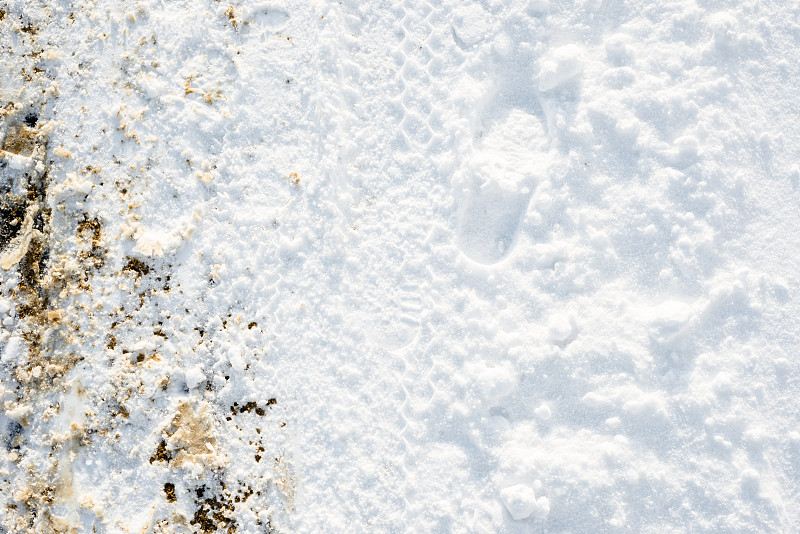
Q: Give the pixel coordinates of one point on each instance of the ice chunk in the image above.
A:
(150, 243)
(493, 382)
(194, 376)
(725, 29)
(503, 44)
(13, 351)
(560, 66)
(596, 401)
(618, 51)
(17, 412)
(19, 163)
(669, 321)
(470, 24)
(543, 412)
(237, 361)
(647, 407)
(521, 502)
(561, 328)
(74, 185)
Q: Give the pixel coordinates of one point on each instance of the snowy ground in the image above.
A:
(418, 266)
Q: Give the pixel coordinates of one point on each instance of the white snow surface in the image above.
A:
(430, 266)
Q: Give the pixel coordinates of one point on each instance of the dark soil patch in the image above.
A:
(12, 213)
(137, 266)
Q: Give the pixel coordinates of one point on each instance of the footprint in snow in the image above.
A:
(266, 15)
(470, 25)
(489, 221)
(392, 320)
(496, 183)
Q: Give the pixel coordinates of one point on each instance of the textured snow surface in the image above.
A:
(418, 266)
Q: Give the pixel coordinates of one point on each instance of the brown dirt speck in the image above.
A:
(169, 490)
(162, 454)
(137, 266)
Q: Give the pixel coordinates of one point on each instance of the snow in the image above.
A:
(422, 266)
(560, 66)
(194, 376)
(521, 502)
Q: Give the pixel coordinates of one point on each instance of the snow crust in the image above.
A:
(420, 266)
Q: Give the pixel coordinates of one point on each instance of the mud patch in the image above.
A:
(190, 437)
(20, 140)
(12, 214)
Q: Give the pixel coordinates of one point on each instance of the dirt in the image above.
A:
(169, 491)
(20, 140)
(137, 266)
(252, 407)
(191, 437)
(90, 230)
(161, 454)
(12, 213)
(211, 515)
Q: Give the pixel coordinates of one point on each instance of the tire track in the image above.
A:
(414, 56)
(376, 159)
